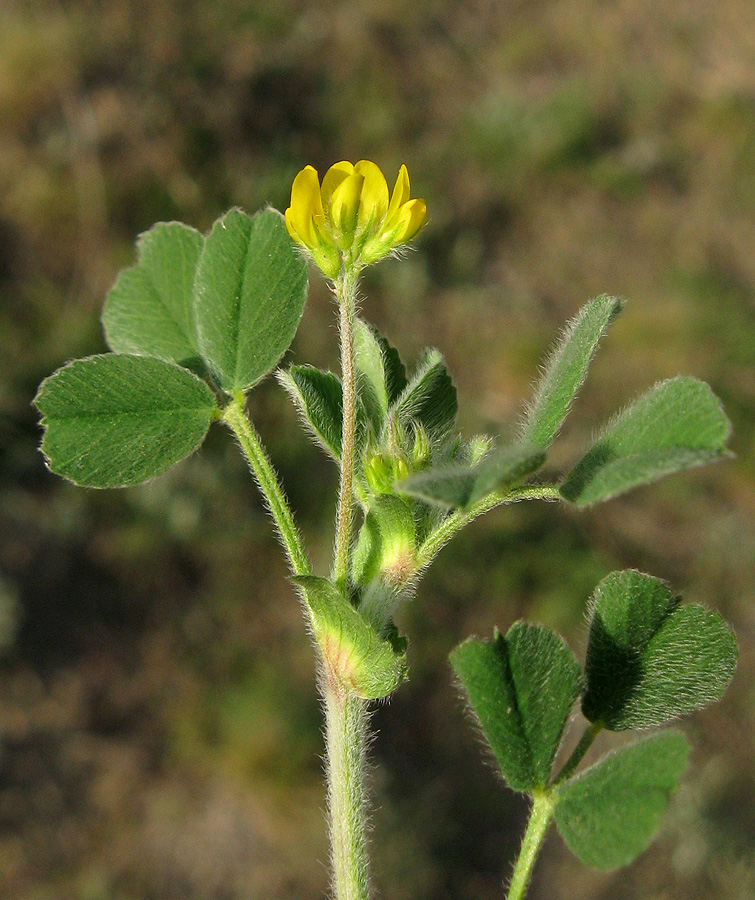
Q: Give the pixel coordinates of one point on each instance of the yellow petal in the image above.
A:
(291, 228)
(411, 218)
(333, 177)
(344, 209)
(374, 202)
(400, 195)
(306, 206)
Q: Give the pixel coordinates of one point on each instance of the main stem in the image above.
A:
(540, 817)
(346, 713)
(345, 289)
(346, 739)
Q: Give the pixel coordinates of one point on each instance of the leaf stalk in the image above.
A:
(236, 418)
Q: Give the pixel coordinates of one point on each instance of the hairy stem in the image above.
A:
(234, 415)
(345, 290)
(461, 517)
(540, 817)
(346, 737)
(585, 742)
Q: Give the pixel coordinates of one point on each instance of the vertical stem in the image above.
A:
(346, 738)
(540, 817)
(345, 290)
(345, 713)
(234, 415)
(543, 807)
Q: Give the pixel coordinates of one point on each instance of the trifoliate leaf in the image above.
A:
(521, 688)
(609, 814)
(319, 398)
(677, 424)
(565, 370)
(650, 660)
(249, 293)
(352, 650)
(149, 311)
(117, 420)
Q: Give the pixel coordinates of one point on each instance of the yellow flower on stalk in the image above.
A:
(351, 218)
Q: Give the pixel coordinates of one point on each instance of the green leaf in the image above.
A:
(677, 424)
(521, 687)
(650, 660)
(447, 486)
(380, 372)
(249, 291)
(565, 370)
(319, 399)
(429, 400)
(609, 814)
(352, 650)
(117, 420)
(459, 485)
(395, 372)
(506, 468)
(149, 310)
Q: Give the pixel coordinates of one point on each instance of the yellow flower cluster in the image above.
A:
(350, 218)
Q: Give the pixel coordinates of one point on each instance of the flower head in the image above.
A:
(351, 218)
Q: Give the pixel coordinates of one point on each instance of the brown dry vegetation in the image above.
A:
(158, 720)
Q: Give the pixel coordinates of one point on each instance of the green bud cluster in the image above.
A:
(414, 432)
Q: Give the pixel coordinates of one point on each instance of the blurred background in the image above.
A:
(159, 726)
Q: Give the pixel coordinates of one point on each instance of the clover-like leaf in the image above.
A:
(116, 420)
(521, 688)
(565, 370)
(249, 294)
(460, 485)
(149, 311)
(677, 424)
(650, 660)
(610, 812)
(354, 653)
